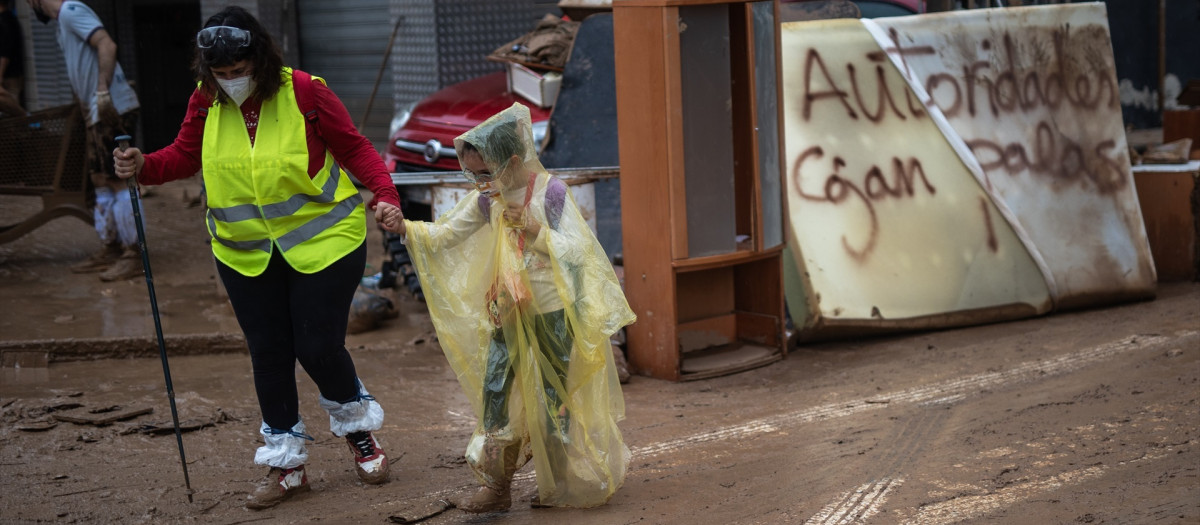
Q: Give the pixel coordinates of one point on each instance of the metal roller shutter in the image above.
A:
(344, 42)
(51, 86)
(439, 43)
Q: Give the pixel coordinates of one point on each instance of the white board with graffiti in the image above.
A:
(956, 168)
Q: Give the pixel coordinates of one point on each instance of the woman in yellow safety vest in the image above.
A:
(288, 233)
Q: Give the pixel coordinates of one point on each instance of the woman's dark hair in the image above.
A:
(263, 54)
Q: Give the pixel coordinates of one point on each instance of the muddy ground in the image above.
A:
(1079, 417)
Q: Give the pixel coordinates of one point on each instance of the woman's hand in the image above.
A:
(390, 217)
(128, 163)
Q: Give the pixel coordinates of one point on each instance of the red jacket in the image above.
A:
(352, 151)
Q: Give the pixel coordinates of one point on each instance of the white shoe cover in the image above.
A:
(282, 450)
(355, 416)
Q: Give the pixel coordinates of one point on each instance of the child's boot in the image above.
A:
(488, 499)
(494, 457)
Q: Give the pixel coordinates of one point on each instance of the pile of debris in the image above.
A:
(536, 59)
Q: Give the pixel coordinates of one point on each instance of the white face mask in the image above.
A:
(238, 89)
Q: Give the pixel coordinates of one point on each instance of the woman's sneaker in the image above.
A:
(369, 460)
(280, 484)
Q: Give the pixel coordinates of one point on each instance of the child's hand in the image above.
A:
(514, 217)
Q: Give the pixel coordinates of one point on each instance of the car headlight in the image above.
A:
(400, 119)
(539, 133)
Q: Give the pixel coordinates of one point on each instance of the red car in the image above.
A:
(422, 137)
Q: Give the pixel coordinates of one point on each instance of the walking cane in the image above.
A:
(123, 142)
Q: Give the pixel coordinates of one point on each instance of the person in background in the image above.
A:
(12, 61)
(524, 301)
(110, 109)
(288, 231)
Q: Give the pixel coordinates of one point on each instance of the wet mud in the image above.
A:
(1086, 416)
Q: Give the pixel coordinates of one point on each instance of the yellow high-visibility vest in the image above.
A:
(261, 198)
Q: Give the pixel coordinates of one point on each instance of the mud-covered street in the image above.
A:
(1078, 417)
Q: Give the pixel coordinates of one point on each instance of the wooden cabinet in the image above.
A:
(701, 206)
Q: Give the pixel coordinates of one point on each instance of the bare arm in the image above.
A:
(106, 52)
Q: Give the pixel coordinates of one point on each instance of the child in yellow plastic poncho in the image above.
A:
(524, 301)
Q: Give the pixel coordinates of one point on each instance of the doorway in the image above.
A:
(165, 32)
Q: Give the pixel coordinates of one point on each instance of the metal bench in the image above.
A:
(45, 154)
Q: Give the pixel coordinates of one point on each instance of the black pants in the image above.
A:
(289, 316)
(555, 338)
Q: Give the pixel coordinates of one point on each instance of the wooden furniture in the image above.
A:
(701, 206)
(45, 154)
(1169, 196)
(1182, 124)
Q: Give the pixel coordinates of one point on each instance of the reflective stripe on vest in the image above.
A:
(245, 212)
(261, 195)
(286, 241)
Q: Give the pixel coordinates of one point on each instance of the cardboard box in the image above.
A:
(539, 88)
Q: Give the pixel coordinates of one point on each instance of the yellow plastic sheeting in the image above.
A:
(525, 321)
(888, 228)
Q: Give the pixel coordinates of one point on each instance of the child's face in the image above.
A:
(478, 172)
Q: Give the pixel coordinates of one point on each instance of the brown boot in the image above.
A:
(280, 484)
(100, 260)
(487, 500)
(127, 267)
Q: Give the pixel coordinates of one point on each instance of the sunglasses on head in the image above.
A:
(222, 35)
